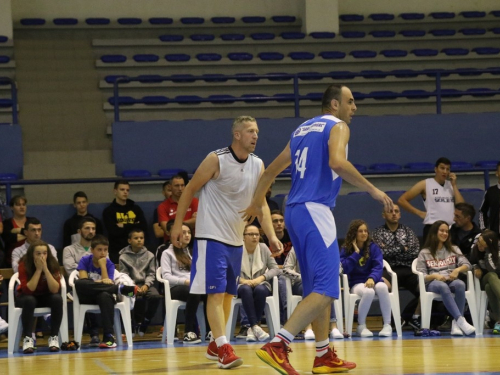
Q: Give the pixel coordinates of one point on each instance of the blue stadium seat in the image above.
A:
(154, 100)
(240, 56)
(420, 166)
(486, 50)
(381, 16)
(358, 193)
(385, 167)
(370, 74)
(225, 20)
(161, 21)
(460, 165)
(470, 190)
(424, 52)
(442, 15)
(383, 95)
(202, 37)
(412, 16)
(455, 51)
(330, 55)
(473, 14)
(192, 20)
(188, 99)
(451, 93)
(290, 35)
(473, 31)
(394, 53)
(280, 19)
(214, 77)
(177, 57)
(246, 77)
(284, 97)
(309, 76)
(358, 95)
(130, 173)
(383, 33)
(3, 39)
(250, 100)
(113, 78)
(4, 59)
(6, 103)
(416, 94)
(353, 34)
(111, 59)
(253, 19)
(432, 72)
(150, 78)
(208, 57)
(322, 35)
(232, 37)
(412, 33)
(149, 57)
(404, 73)
(123, 100)
(129, 21)
(467, 72)
(271, 56)
(481, 92)
(360, 168)
(8, 176)
(495, 70)
(32, 21)
(363, 54)
(65, 21)
(395, 192)
(169, 173)
(284, 173)
(314, 96)
(342, 74)
(171, 38)
(96, 21)
(221, 99)
(262, 36)
(277, 76)
(443, 32)
(487, 164)
(495, 13)
(182, 78)
(495, 30)
(301, 55)
(352, 17)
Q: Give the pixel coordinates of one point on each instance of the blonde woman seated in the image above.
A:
(258, 268)
(362, 262)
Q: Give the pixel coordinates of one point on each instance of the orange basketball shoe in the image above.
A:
(329, 363)
(275, 354)
(227, 357)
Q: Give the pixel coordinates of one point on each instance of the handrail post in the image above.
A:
(13, 89)
(438, 93)
(296, 94)
(116, 108)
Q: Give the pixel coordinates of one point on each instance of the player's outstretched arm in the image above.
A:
(339, 137)
(404, 200)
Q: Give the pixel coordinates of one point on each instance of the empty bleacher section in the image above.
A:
(7, 67)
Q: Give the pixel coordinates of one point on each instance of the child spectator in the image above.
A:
(139, 263)
(39, 277)
(95, 286)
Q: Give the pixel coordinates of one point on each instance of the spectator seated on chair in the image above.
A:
(485, 259)
(489, 213)
(40, 284)
(139, 263)
(176, 268)
(258, 267)
(13, 228)
(464, 230)
(400, 246)
(362, 262)
(95, 286)
(441, 264)
(278, 220)
(71, 226)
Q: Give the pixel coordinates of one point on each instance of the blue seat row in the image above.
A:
(419, 33)
(3, 39)
(4, 59)
(166, 173)
(415, 16)
(426, 166)
(96, 21)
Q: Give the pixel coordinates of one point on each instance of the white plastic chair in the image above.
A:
(426, 298)
(292, 301)
(272, 312)
(481, 303)
(171, 308)
(15, 323)
(350, 301)
(79, 310)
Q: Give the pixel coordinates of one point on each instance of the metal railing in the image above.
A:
(13, 98)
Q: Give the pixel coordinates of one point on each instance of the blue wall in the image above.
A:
(11, 149)
(374, 139)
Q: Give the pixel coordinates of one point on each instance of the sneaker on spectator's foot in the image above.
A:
(336, 334)
(496, 329)
(259, 333)
(275, 354)
(227, 357)
(415, 323)
(94, 342)
(465, 327)
(160, 334)
(28, 345)
(4, 326)
(209, 337)
(54, 343)
(108, 342)
(386, 331)
(362, 331)
(212, 351)
(191, 338)
(446, 325)
(243, 332)
(309, 334)
(329, 363)
(143, 328)
(250, 337)
(455, 329)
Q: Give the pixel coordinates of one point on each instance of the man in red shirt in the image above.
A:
(167, 210)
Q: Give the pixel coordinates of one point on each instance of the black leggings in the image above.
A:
(181, 293)
(29, 302)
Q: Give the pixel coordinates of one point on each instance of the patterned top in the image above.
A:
(400, 247)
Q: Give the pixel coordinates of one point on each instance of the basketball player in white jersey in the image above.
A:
(440, 194)
(227, 179)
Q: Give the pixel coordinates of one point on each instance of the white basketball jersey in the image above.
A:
(222, 198)
(439, 202)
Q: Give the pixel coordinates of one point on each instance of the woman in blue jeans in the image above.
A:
(441, 262)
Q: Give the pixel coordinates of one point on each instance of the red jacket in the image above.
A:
(42, 287)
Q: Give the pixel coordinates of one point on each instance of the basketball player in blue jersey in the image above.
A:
(317, 152)
(227, 179)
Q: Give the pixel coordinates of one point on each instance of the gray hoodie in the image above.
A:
(444, 263)
(139, 266)
(72, 255)
(171, 270)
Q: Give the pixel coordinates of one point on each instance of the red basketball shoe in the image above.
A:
(329, 363)
(275, 354)
(227, 358)
(212, 351)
